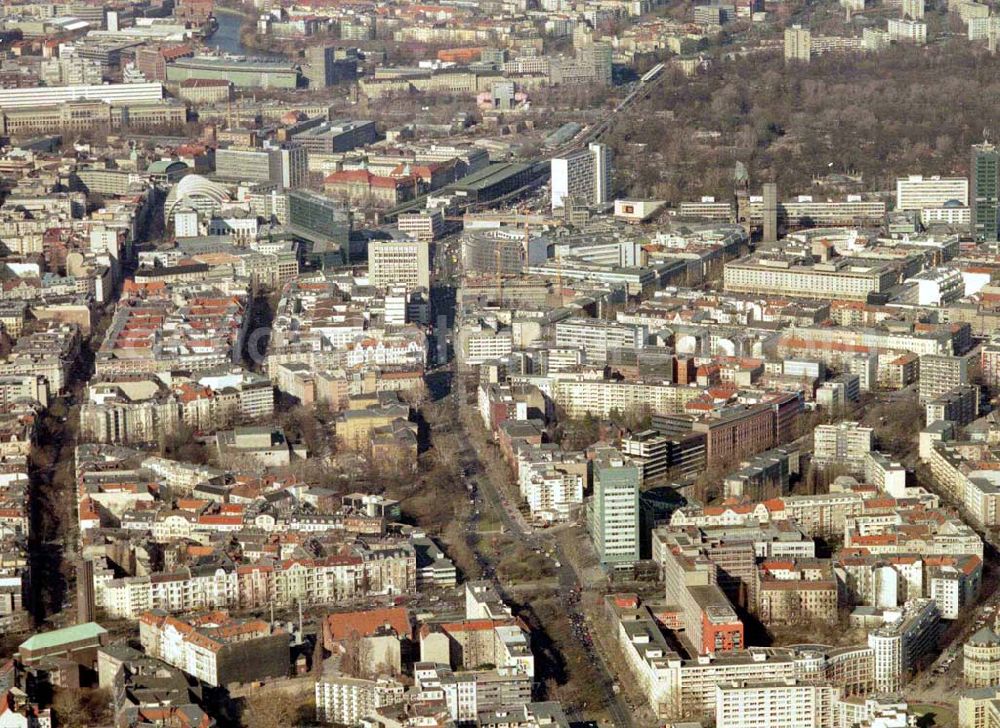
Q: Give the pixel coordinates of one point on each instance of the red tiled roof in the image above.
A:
(365, 623)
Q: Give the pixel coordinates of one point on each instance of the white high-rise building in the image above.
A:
(906, 635)
(845, 443)
(777, 704)
(907, 31)
(553, 492)
(399, 263)
(798, 44)
(584, 175)
(294, 164)
(913, 9)
(917, 192)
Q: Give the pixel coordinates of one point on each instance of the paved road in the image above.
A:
(485, 493)
(569, 582)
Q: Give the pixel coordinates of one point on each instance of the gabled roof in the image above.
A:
(366, 623)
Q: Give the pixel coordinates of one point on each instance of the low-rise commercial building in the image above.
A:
(842, 278)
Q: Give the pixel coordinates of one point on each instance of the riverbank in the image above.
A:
(235, 34)
(234, 9)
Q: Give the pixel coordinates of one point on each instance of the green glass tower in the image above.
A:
(984, 171)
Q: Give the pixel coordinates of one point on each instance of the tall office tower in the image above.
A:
(602, 173)
(770, 212)
(294, 166)
(399, 262)
(85, 604)
(798, 44)
(913, 9)
(285, 165)
(614, 512)
(326, 65)
(324, 222)
(318, 66)
(985, 183)
(598, 58)
(584, 174)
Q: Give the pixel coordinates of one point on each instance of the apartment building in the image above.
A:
(141, 410)
(548, 714)
(940, 374)
(346, 700)
(989, 362)
(798, 45)
(700, 677)
(584, 175)
(983, 27)
(195, 327)
(979, 707)
(801, 590)
(891, 527)
(896, 349)
(49, 353)
(903, 30)
(823, 515)
(613, 516)
(599, 397)
(959, 406)
(468, 693)
(906, 639)
(360, 573)
(553, 492)
(953, 582)
(846, 443)
(217, 649)
(595, 337)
